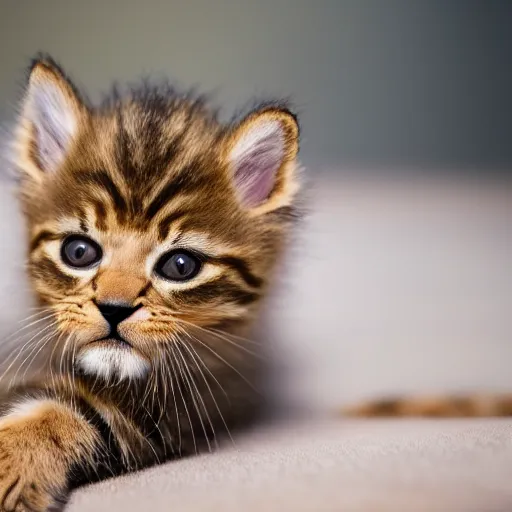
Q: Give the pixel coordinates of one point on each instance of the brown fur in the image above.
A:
(35, 451)
(145, 169)
(465, 406)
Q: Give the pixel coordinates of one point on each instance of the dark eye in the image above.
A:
(80, 252)
(178, 266)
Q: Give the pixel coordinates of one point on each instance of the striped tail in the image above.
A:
(448, 406)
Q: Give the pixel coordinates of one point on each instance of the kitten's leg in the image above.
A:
(41, 441)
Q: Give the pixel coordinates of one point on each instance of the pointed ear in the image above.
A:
(261, 153)
(50, 117)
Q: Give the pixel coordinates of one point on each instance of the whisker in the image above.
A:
(159, 379)
(226, 333)
(18, 331)
(42, 344)
(177, 413)
(196, 358)
(73, 357)
(193, 382)
(229, 365)
(222, 337)
(46, 337)
(161, 436)
(41, 312)
(51, 359)
(70, 375)
(173, 359)
(147, 392)
(203, 363)
(20, 351)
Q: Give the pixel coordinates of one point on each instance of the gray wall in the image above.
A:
(418, 84)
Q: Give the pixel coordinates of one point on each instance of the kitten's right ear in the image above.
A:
(51, 114)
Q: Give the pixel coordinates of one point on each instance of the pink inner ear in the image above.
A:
(257, 157)
(54, 122)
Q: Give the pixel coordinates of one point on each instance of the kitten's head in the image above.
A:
(149, 221)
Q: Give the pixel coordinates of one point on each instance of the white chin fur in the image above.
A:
(112, 363)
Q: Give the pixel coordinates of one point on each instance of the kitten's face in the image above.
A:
(149, 222)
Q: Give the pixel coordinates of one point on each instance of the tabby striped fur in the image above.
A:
(441, 406)
(142, 173)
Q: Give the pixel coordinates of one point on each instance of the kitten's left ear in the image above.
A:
(50, 118)
(261, 153)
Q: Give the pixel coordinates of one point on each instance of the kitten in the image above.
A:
(153, 232)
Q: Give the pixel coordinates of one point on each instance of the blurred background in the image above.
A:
(400, 279)
(397, 83)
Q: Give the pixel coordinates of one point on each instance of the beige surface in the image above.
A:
(397, 285)
(378, 466)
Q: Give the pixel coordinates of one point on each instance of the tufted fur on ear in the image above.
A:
(49, 121)
(262, 152)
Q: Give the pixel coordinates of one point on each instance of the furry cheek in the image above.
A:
(137, 326)
(85, 324)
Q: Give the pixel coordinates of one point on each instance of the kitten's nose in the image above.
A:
(114, 314)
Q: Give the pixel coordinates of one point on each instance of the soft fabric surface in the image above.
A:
(454, 465)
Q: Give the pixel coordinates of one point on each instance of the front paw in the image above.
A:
(31, 478)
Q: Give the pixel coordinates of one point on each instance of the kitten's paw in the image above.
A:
(30, 480)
